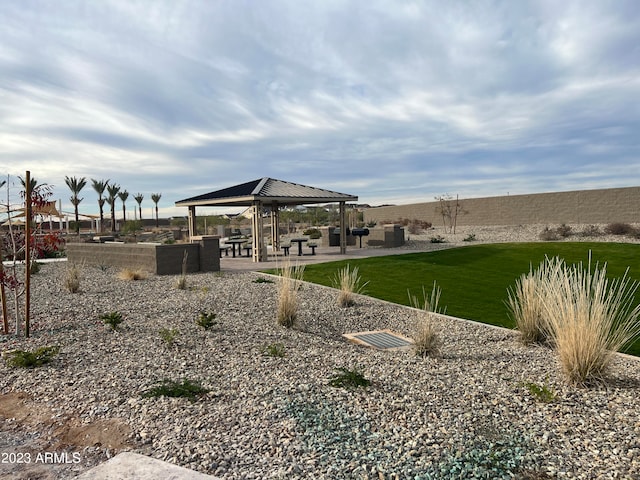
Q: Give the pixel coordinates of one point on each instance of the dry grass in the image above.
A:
(288, 286)
(589, 318)
(426, 340)
(131, 274)
(349, 283)
(525, 301)
(72, 279)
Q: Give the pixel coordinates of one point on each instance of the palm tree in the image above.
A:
(123, 196)
(113, 190)
(99, 186)
(75, 185)
(139, 197)
(156, 198)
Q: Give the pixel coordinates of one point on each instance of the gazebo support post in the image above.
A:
(256, 228)
(275, 226)
(343, 229)
(193, 227)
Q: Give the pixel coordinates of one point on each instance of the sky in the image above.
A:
(393, 101)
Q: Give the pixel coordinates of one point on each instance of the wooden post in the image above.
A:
(257, 242)
(27, 254)
(193, 225)
(343, 229)
(275, 227)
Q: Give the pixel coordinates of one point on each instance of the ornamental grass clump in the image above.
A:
(288, 286)
(525, 300)
(425, 335)
(30, 359)
(589, 318)
(349, 283)
(129, 274)
(72, 279)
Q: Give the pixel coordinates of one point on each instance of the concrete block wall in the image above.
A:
(575, 207)
(158, 259)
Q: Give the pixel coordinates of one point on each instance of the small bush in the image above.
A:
(169, 335)
(287, 309)
(273, 350)
(548, 235)
(591, 231)
(182, 389)
(31, 359)
(619, 229)
(263, 280)
(437, 239)
(349, 283)
(35, 267)
(589, 318)
(470, 238)
(131, 275)
(206, 320)
(72, 279)
(540, 393)
(525, 301)
(348, 378)
(564, 231)
(312, 233)
(425, 336)
(112, 320)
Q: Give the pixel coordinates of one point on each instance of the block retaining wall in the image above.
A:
(576, 207)
(202, 256)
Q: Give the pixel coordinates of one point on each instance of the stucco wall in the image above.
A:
(576, 207)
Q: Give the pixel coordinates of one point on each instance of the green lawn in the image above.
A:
(474, 279)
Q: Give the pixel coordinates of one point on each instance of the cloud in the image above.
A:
(389, 100)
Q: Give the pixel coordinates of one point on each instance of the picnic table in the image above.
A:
(238, 242)
(299, 241)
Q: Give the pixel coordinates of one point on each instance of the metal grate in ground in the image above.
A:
(380, 339)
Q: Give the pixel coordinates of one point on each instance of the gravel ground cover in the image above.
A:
(471, 411)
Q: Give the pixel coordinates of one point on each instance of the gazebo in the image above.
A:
(268, 193)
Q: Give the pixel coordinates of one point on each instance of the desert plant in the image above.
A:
(348, 378)
(470, 238)
(112, 319)
(425, 336)
(349, 283)
(525, 300)
(181, 283)
(206, 320)
(72, 279)
(618, 228)
(287, 308)
(129, 274)
(548, 235)
(589, 318)
(273, 350)
(31, 359)
(437, 239)
(169, 335)
(181, 389)
(312, 233)
(591, 231)
(263, 280)
(540, 393)
(564, 230)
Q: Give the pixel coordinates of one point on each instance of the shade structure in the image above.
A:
(267, 193)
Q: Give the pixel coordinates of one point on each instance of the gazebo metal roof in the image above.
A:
(267, 191)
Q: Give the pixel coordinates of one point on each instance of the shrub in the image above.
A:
(130, 275)
(425, 336)
(348, 378)
(540, 393)
(525, 300)
(589, 318)
(263, 280)
(591, 231)
(72, 279)
(349, 283)
(182, 389)
(31, 359)
(287, 309)
(273, 350)
(181, 283)
(112, 319)
(437, 239)
(312, 233)
(548, 235)
(564, 231)
(470, 238)
(619, 229)
(168, 335)
(206, 320)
